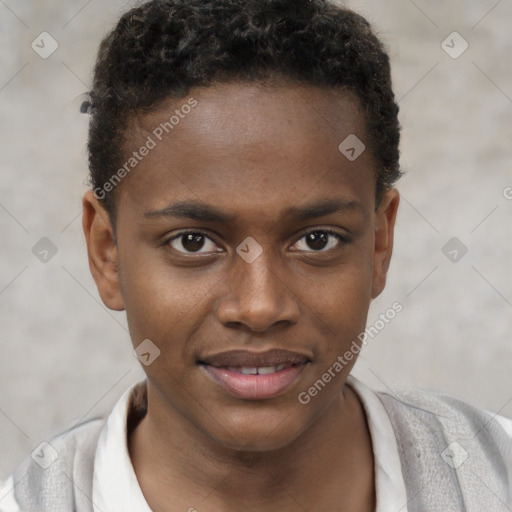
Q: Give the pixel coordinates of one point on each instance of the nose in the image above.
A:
(258, 296)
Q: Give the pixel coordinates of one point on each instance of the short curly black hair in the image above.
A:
(164, 48)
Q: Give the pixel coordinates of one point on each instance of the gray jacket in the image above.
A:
(453, 456)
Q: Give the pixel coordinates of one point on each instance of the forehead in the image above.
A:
(247, 145)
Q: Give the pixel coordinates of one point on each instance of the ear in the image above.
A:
(102, 251)
(384, 232)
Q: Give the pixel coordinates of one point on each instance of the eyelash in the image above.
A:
(342, 239)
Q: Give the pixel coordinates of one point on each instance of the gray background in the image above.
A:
(65, 357)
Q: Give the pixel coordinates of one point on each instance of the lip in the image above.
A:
(255, 387)
(222, 368)
(247, 358)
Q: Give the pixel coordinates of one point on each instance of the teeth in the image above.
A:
(261, 370)
(249, 371)
(265, 370)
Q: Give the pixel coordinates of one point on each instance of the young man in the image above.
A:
(243, 155)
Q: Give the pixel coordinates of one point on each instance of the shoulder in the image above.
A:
(453, 414)
(59, 474)
(47, 479)
(451, 451)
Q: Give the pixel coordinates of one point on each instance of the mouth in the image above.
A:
(255, 376)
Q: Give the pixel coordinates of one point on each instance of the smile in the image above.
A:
(255, 376)
(262, 370)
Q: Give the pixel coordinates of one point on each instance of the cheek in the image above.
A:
(341, 317)
(163, 303)
(338, 303)
(343, 290)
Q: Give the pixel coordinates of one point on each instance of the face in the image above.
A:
(248, 251)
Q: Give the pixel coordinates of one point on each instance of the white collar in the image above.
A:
(115, 485)
(389, 481)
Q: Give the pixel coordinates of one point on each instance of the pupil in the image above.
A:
(317, 240)
(193, 242)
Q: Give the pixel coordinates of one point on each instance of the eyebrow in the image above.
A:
(323, 208)
(208, 213)
(192, 210)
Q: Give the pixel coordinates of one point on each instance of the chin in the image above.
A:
(259, 432)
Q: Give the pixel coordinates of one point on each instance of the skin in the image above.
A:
(251, 152)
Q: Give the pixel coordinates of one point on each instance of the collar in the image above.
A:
(115, 485)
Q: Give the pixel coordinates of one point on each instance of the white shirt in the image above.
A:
(116, 488)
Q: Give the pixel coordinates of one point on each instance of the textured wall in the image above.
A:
(65, 357)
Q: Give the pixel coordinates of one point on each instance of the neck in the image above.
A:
(176, 463)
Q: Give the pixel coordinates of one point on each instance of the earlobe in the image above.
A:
(102, 252)
(385, 218)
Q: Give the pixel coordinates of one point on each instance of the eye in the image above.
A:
(190, 242)
(319, 240)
